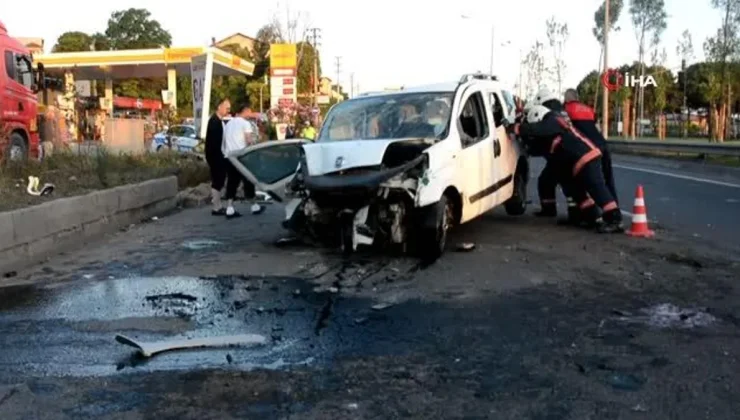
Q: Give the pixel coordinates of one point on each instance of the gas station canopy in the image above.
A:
(138, 64)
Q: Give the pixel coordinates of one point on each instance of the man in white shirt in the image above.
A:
(238, 134)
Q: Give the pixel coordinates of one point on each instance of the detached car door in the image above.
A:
(270, 166)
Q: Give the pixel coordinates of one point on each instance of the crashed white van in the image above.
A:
(397, 168)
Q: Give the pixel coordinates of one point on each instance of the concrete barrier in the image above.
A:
(31, 234)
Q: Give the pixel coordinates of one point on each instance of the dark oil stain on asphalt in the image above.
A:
(42, 325)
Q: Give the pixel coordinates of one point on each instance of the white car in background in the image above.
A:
(393, 168)
(178, 137)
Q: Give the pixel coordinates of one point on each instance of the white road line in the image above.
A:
(679, 176)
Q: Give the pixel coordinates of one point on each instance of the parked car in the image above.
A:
(178, 137)
(397, 168)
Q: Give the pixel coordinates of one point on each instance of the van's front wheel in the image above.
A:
(432, 238)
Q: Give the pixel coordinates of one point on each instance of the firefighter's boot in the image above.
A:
(547, 210)
(589, 217)
(611, 222)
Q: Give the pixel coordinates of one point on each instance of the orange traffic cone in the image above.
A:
(639, 217)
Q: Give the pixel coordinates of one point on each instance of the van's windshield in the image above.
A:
(403, 115)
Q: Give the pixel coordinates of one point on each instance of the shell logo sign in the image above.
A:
(283, 56)
(283, 63)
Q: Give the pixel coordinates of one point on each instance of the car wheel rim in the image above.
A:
(16, 152)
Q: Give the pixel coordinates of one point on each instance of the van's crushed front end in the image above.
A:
(354, 193)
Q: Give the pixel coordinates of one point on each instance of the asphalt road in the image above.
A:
(539, 321)
(692, 200)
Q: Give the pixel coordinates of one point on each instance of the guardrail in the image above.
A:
(672, 146)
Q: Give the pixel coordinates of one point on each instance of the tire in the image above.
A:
(432, 241)
(17, 150)
(517, 204)
(346, 233)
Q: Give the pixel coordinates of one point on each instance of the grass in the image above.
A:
(74, 174)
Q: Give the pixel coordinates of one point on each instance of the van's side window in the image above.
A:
(23, 71)
(10, 64)
(473, 120)
(498, 109)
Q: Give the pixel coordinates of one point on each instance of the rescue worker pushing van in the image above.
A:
(549, 134)
(584, 120)
(553, 174)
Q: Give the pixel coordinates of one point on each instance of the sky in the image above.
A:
(391, 43)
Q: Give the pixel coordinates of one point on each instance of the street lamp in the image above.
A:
(493, 33)
(262, 101)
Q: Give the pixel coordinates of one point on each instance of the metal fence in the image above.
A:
(696, 147)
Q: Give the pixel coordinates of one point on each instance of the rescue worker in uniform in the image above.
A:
(584, 120)
(553, 174)
(549, 134)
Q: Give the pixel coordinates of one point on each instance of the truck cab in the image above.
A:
(19, 84)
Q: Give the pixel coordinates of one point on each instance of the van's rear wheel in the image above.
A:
(432, 238)
(517, 204)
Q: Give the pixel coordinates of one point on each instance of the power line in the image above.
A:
(339, 72)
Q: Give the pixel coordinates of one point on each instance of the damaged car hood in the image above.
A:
(327, 157)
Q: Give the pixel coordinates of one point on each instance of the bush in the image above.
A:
(74, 174)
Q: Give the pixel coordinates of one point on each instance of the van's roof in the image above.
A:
(436, 87)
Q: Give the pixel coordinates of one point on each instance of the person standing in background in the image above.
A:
(214, 155)
(238, 134)
(308, 131)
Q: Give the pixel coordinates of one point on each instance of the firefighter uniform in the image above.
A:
(549, 134)
(584, 120)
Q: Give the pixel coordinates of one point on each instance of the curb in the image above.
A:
(32, 234)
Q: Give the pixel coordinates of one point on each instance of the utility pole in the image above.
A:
(605, 103)
(315, 36)
(685, 102)
(351, 85)
(339, 69)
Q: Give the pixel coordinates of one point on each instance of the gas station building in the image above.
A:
(135, 64)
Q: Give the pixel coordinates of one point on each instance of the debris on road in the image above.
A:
(667, 315)
(290, 240)
(381, 306)
(179, 296)
(465, 246)
(151, 348)
(197, 245)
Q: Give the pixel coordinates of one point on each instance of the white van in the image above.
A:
(397, 168)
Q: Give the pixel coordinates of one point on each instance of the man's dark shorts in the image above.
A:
(218, 166)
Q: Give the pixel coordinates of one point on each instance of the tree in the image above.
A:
(685, 50)
(557, 36)
(615, 10)
(100, 42)
(649, 22)
(267, 35)
(535, 66)
(305, 67)
(73, 42)
(135, 29)
(721, 49)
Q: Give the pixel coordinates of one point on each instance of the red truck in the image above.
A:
(19, 85)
